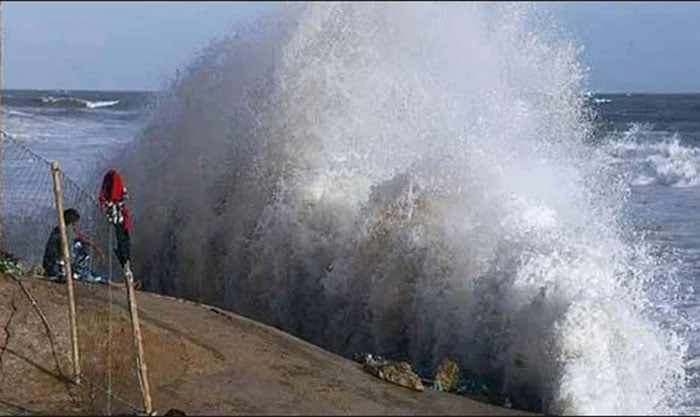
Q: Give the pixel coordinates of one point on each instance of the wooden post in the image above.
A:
(138, 342)
(2, 190)
(65, 255)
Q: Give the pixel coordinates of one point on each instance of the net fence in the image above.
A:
(27, 217)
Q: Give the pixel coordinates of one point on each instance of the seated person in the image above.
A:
(79, 252)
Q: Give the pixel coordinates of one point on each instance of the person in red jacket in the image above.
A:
(113, 196)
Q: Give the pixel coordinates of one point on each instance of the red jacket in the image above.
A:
(114, 191)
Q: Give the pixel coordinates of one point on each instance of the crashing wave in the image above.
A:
(652, 157)
(411, 180)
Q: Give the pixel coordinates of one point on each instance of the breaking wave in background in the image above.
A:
(78, 102)
(653, 157)
(412, 180)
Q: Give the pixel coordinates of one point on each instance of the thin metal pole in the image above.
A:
(138, 342)
(65, 255)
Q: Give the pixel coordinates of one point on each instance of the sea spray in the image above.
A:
(412, 180)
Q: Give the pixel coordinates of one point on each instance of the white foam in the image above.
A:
(98, 104)
(82, 102)
(412, 180)
(11, 113)
(652, 157)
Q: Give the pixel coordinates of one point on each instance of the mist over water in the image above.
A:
(412, 180)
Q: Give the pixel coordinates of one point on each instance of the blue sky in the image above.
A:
(108, 45)
(629, 46)
(636, 46)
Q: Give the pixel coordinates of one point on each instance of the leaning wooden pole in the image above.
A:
(2, 191)
(65, 255)
(138, 341)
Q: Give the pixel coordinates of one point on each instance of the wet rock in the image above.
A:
(447, 376)
(36, 271)
(399, 373)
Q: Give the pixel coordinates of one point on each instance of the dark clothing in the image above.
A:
(123, 243)
(52, 252)
(79, 258)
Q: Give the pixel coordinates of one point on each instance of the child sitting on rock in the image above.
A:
(79, 248)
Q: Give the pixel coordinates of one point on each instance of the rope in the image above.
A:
(109, 327)
(138, 409)
(57, 354)
(107, 391)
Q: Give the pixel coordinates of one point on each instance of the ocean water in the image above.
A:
(79, 129)
(416, 181)
(82, 131)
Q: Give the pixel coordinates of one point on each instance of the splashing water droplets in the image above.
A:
(410, 180)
